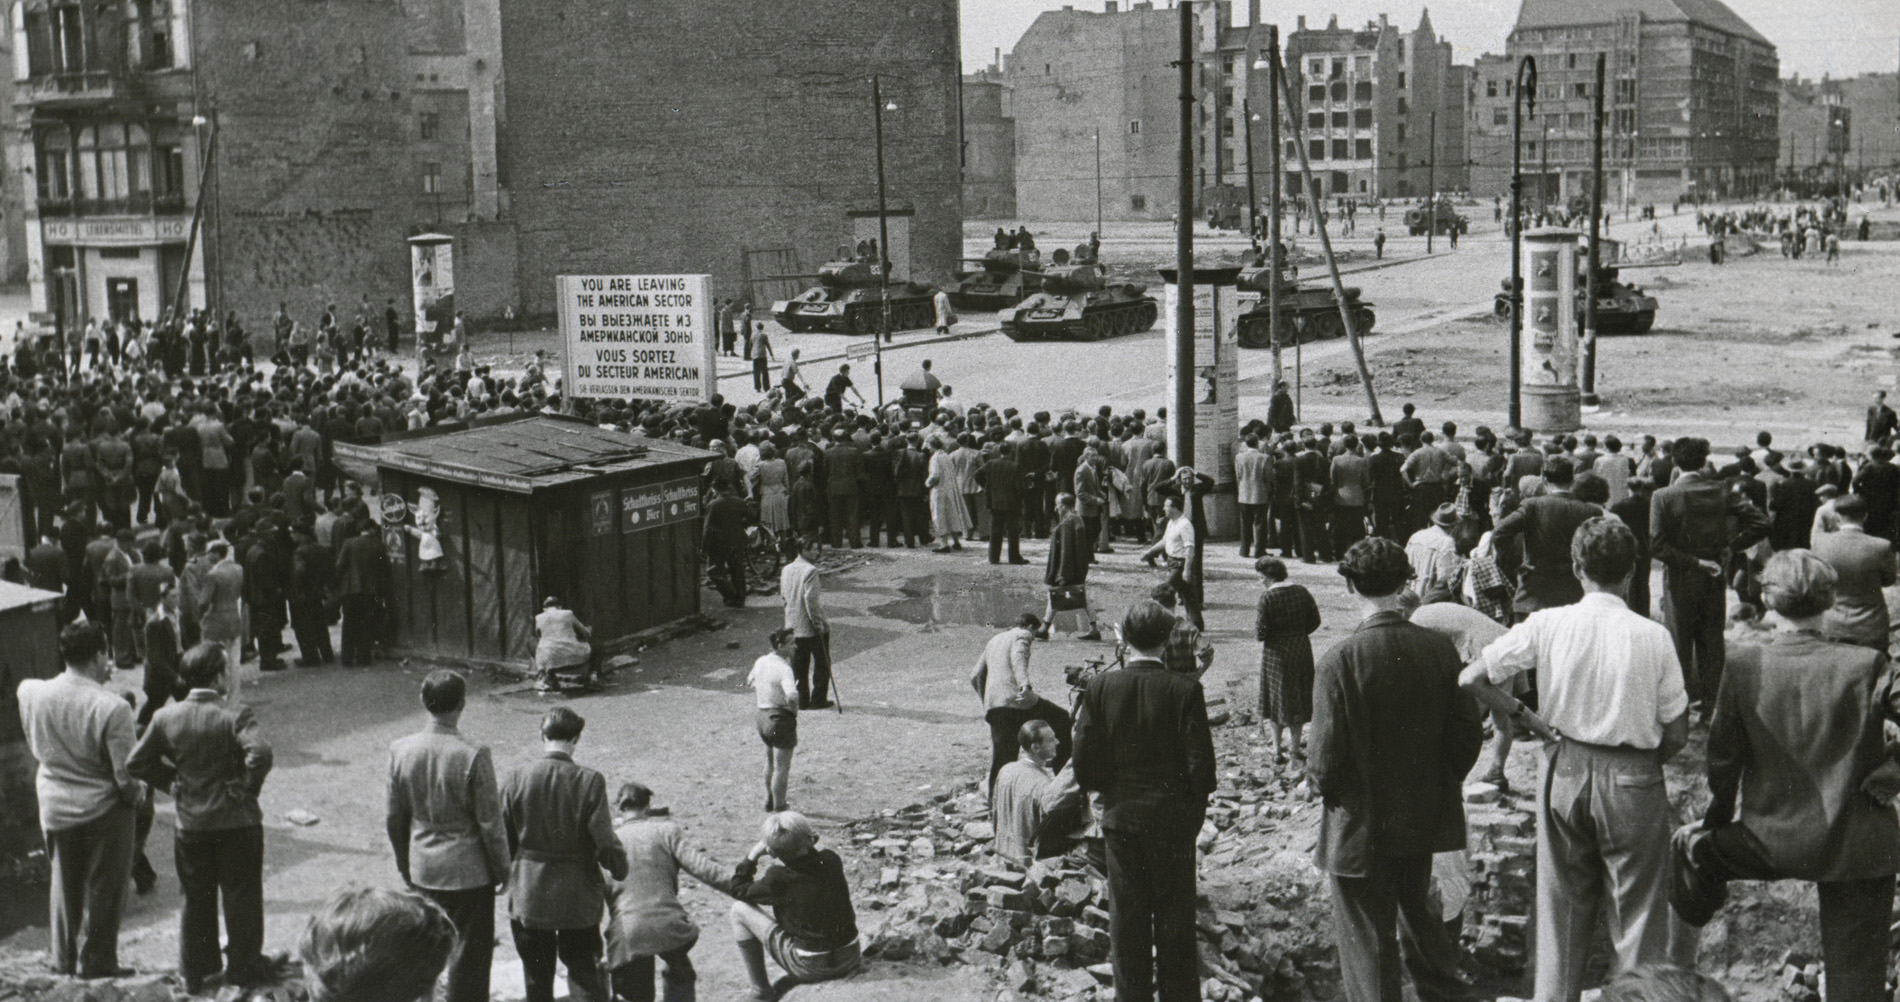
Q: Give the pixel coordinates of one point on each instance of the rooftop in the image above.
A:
(523, 453)
(13, 596)
(1565, 13)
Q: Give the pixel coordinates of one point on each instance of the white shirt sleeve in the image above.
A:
(1672, 698)
(1511, 655)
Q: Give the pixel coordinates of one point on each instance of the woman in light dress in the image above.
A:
(773, 489)
(947, 510)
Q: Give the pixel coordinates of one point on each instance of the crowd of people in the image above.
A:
(190, 514)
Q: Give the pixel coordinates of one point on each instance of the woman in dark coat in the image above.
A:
(1287, 617)
(1798, 732)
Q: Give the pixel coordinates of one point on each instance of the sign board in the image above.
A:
(432, 276)
(681, 498)
(861, 349)
(600, 505)
(649, 337)
(1216, 375)
(13, 537)
(642, 508)
(137, 232)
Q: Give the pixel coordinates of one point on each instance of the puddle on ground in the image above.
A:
(935, 602)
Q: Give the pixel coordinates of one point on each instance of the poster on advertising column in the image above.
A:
(1216, 373)
(432, 284)
(649, 337)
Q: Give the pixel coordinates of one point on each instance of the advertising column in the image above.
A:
(1216, 378)
(432, 280)
(1553, 400)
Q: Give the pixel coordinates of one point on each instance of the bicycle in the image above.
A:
(1079, 676)
(762, 562)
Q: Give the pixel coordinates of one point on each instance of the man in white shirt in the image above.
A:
(81, 735)
(805, 617)
(1177, 544)
(1001, 680)
(1609, 682)
(776, 687)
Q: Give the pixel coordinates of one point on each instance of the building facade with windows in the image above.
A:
(1691, 101)
(1077, 75)
(989, 146)
(1835, 127)
(1381, 111)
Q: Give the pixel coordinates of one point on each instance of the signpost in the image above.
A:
(648, 337)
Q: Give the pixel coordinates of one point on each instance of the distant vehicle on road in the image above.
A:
(1440, 218)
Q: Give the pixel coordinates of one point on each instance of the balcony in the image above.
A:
(72, 90)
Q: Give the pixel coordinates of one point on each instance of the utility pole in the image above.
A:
(1273, 197)
(1181, 410)
(1431, 187)
(1098, 183)
(1596, 224)
(883, 241)
(1253, 196)
(1523, 102)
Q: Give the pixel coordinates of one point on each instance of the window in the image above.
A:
(1316, 93)
(1138, 203)
(1362, 149)
(1578, 121)
(1134, 126)
(1339, 182)
(428, 123)
(1317, 67)
(1340, 119)
(1226, 126)
(1292, 150)
(1342, 149)
(1570, 61)
(1401, 132)
(1401, 79)
(1339, 91)
(1490, 88)
(1339, 68)
(55, 178)
(1045, 69)
(1625, 92)
(1507, 88)
(1401, 46)
(1530, 149)
(1500, 116)
(1362, 91)
(1316, 149)
(1362, 66)
(1362, 118)
(112, 161)
(1362, 185)
(432, 179)
(1402, 106)
(1227, 65)
(1580, 89)
(1316, 120)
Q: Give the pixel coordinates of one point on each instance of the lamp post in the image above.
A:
(1431, 187)
(1181, 408)
(1272, 66)
(1253, 196)
(1098, 183)
(1522, 103)
(878, 108)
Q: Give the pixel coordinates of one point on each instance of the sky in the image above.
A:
(1837, 37)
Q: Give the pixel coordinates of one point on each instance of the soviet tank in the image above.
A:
(1621, 308)
(1077, 303)
(1306, 313)
(1002, 278)
(846, 301)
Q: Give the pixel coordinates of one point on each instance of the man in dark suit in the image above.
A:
(313, 579)
(1033, 455)
(880, 493)
(1253, 478)
(46, 563)
(1693, 526)
(1002, 481)
(560, 836)
(213, 760)
(1878, 480)
(909, 469)
(1546, 524)
(1391, 740)
(267, 570)
(1385, 474)
(361, 569)
(162, 654)
(724, 543)
(1863, 569)
(1142, 743)
(1067, 573)
(444, 823)
(843, 489)
(1791, 508)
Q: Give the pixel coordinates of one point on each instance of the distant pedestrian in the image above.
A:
(798, 586)
(561, 835)
(762, 356)
(1283, 623)
(1378, 240)
(945, 315)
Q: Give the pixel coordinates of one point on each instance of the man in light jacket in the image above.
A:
(1001, 679)
(445, 825)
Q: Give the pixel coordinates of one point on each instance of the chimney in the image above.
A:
(1253, 13)
(1383, 22)
(1302, 23)
(1332, 24)
(1113, 6)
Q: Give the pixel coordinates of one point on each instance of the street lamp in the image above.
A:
(1522, 103)
(1274, 262)
(878, 108)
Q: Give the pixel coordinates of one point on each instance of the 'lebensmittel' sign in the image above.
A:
(645, 336)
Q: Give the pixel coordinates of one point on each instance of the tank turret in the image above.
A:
(847, 300)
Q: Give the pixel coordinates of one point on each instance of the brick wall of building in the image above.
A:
(668, 137)
(315, 160)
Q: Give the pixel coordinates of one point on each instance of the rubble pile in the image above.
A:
(25, 979)
(930, 889)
